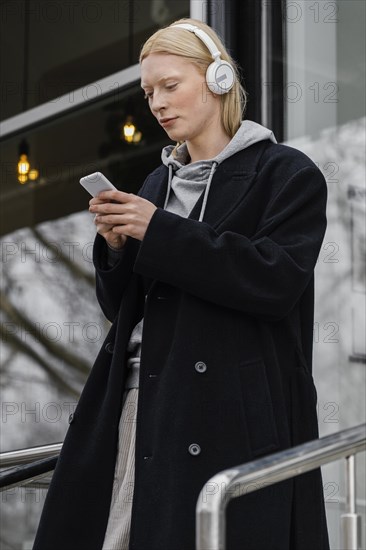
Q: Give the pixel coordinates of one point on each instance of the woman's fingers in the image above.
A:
(128, 215)
(108, 208)
(117, 196)
(96, 200)
(112, 219)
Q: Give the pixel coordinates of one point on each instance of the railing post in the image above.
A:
(350, 521)
(286, 464)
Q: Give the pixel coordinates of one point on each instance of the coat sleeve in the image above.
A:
(111, 281)
(264, 275)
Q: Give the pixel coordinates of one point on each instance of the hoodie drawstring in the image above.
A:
(170, 166)
(205, 196)
(207, 189)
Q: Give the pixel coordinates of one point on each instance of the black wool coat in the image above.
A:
(234, 292)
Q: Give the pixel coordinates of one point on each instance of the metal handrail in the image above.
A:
(24, 456)
(218, 491)
(252, 476)
(27, 474)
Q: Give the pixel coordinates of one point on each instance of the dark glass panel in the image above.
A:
(11, 61)
(51, 48)
(66, 149)
(148, 17)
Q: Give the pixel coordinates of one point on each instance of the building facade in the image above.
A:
(72, 104)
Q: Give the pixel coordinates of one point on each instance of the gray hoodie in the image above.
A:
(187, 181)
(185, 185)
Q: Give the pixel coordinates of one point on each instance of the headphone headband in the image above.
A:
(203, 36)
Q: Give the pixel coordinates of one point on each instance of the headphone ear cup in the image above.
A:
(220, 77)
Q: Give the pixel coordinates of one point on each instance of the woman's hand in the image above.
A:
(106, 230)
(127, 216)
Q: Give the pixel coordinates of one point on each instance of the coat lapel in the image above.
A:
(230, 184)
(227, 191)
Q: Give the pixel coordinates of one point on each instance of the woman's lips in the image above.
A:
(167, 121)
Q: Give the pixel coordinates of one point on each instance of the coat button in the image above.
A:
(109, 347)
(200, 366)
(194, 449)
(71, 418)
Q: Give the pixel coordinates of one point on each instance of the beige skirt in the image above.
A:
(117, 534)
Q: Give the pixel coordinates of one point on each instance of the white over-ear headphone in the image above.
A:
(220, 75)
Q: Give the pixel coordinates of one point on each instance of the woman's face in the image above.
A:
(179, 98)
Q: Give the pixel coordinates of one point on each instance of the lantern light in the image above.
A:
(130, 132)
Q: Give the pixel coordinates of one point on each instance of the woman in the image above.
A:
(207, 276)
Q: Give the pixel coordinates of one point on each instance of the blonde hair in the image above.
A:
(178, 41)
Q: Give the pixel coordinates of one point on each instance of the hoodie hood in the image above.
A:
(186, 176)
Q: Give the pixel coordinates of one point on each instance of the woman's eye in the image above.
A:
(148, 95)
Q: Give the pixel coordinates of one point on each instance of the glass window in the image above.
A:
(53, 47)
(67, 148)
(325, 117)
(149, 16)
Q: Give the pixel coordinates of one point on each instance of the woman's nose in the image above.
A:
(158, 102)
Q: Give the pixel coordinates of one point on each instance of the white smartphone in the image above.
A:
(96, 182)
